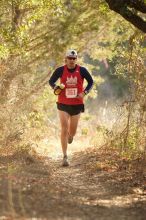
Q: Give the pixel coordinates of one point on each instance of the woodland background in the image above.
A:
(111, 42)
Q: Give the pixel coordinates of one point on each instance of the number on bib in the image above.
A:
(71, 92)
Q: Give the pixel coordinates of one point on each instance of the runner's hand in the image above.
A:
(57, 90)
(81, 95)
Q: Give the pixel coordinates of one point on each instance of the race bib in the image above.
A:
(71, 92)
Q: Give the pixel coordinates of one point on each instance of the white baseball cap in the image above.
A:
(71, 53)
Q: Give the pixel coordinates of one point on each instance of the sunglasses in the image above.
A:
(71, 58)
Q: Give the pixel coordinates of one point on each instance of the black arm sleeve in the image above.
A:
(86, 75)
(55, 76)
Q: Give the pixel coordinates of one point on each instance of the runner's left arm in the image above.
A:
(86, 75)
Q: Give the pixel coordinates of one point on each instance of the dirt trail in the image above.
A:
(43, 190)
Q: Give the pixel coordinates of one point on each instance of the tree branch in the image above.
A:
(137, 4)
(122, 7)
(15, 16)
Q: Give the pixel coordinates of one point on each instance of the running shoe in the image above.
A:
(65, 161)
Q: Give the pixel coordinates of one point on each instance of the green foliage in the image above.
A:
(4, 52)
(84, 131)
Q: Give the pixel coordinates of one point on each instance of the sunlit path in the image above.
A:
(51, 147)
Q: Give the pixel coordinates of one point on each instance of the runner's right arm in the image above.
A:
(55, 76)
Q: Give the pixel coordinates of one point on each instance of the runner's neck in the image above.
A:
(71, 69)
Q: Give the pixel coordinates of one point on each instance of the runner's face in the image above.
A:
(71, 62)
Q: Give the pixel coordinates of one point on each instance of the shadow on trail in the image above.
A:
(41, 189)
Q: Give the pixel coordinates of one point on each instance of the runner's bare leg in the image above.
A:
(64, 117)
(73, 123)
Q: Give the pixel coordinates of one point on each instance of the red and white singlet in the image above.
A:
(73, 86)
